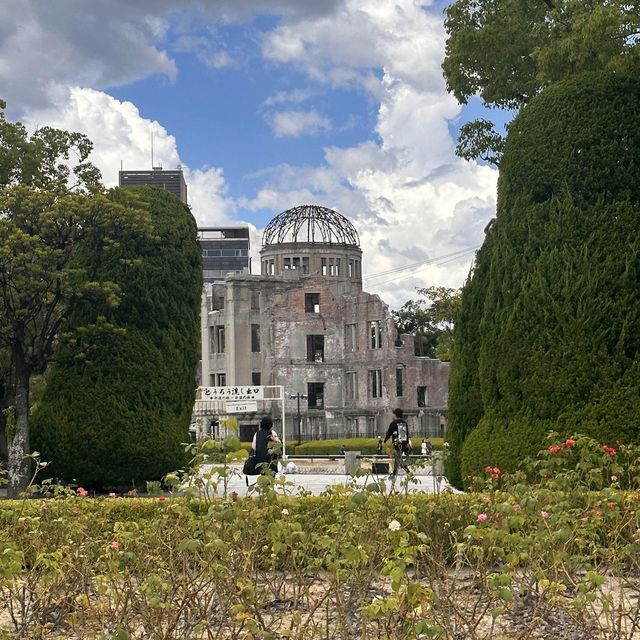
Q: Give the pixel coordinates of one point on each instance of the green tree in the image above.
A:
(507, 51)
(549, 331)
(430, 319)
(50, 204)
(118, 403)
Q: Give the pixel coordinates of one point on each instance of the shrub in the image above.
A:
(118, 401)
(557, 540)
(366, 446)
(548, 335)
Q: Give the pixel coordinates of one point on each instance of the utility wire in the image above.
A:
(433, 261)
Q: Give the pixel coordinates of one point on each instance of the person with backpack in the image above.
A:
(398, 431)
(266, 447)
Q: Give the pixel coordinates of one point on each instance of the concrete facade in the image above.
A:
(306, 323)
(168, 180)
(224, 250)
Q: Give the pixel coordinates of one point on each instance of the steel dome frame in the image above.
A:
(310, 224)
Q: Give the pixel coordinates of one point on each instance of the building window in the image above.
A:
(351, 385)
(315, 348)
(219, 338)
(351, 337)
(271, 268)
(287, 263)
(351, 269)
(312, 302)
(305, 264)
(212, 379)
(323, 263)
(315, 395)
(423, 397)
(374, 334)
(255, 299)
(295, 263)
(255, 338)
(256, 378)
(222, 380)
(218, 303)
(375, 383)
(399, 381)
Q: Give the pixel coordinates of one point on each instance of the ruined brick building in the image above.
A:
(306, 323)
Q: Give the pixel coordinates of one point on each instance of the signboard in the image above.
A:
(234, 394)
(241, 407)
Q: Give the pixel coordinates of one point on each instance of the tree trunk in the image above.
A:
(18, 433)
(4, 404)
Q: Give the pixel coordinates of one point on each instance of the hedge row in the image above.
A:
(549, 332)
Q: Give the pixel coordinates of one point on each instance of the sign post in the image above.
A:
(240, 399)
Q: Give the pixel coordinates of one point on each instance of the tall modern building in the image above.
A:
(306, 324)
(171, 181)
(225, 251)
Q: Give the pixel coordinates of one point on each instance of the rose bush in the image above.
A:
(557, 541)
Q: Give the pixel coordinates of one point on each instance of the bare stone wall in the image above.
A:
(277, 305)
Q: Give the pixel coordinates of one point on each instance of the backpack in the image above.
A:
(403, 431)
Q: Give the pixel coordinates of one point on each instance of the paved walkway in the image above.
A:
(315, 483)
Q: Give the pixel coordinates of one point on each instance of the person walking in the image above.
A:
(426, 448)
(379, 445)
(266, 446)
(398, 431)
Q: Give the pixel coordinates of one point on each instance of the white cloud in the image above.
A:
(107, 44)
(296, 96)
(296, 123)
(409, 196)
(207, 50)
(406, 192)
(122, 137)
(47, 43)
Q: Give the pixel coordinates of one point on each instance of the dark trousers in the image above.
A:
(398, 460)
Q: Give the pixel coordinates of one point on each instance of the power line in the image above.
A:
(433, 261)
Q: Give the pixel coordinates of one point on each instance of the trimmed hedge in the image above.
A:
(118, 401)
(549, 333)
(366, 446)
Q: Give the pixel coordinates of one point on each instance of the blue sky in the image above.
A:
(339, 103)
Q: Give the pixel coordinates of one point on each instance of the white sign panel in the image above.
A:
(241, 407)
(235, 394)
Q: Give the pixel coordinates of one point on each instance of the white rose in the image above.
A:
(394, 525)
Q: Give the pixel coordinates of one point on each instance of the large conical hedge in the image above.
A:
(119, 398)
(549, 332)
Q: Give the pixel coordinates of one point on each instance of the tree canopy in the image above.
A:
(50, 208)
(118, 401)
(430, 319)
(548, 337)
(507, 51)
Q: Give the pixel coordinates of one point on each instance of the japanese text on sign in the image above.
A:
(232, 393)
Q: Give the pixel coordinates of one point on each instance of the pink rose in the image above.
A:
(82, 492)
(544, 514)
(482, 517)
(115, 545)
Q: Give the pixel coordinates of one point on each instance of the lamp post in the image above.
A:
(298, 397)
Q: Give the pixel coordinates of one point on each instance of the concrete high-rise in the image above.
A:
(225, 251)
(171, 181)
